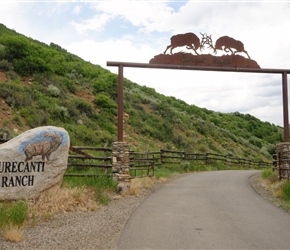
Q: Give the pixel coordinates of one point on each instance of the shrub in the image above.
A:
(17, 120)
(70, 85)
(104, 101)
(12, 75)
(53, 90)
(5, 65)
(84, 107)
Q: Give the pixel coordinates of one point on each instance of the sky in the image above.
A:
(136, 31)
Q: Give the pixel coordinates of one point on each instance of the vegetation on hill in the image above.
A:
(44, 84)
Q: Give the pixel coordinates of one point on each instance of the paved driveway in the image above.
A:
(207, 210)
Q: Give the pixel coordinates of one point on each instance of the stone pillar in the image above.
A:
(283, 157)
(120, 166)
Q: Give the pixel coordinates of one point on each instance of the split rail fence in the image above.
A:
(90, 161)
(97, 161)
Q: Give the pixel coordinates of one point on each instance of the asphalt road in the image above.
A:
(207, 210)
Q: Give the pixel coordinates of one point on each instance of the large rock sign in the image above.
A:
(33, 162)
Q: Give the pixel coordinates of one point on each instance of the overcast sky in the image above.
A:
(136, 31)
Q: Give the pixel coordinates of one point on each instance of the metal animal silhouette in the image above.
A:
(190, 40)
(225, 43)
(43, 148)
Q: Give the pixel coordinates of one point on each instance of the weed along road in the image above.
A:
(207, 210)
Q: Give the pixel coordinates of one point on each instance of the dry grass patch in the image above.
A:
(63, 200)
(13, 234)
(139, 184)
(276, 187)
(56, 200)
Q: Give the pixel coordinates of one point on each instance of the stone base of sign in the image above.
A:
(120, 166)
(33, 162)
(205, 60)
(283, 155)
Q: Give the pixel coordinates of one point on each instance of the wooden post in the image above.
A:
(120, 103)
(285, 106)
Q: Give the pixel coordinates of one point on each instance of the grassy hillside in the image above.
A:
(43, 84)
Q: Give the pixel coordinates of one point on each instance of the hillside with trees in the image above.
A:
(44, 84)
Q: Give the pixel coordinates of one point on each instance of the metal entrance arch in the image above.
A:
(121, 65)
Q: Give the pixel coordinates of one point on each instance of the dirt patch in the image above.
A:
(3, 77)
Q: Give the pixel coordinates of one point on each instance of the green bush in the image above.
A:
(84, 107)
(5, 65)
(17, 120)
(53, 90)
(105, 102)
(70, 85)
(59, 113)
(12, 75)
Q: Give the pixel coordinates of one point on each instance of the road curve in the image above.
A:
(207, 210)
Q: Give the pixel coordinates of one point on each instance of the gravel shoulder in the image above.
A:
(95, 230)
(100, 229)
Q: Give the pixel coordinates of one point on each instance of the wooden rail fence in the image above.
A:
(89, 161)
(147, 160)
(97, 161)
(210, 158)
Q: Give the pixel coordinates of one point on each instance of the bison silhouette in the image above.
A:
(190, 40)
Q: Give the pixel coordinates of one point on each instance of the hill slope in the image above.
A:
(43, 84)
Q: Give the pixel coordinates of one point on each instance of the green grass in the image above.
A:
(3, 215)
(14, 214)
(102, 185)
(270, 175)
(184, 167)
(18, 213)
(286, 191)
(162, 172)
(285, 195)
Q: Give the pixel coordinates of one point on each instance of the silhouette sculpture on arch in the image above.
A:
(235, 54)
(225, 43)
